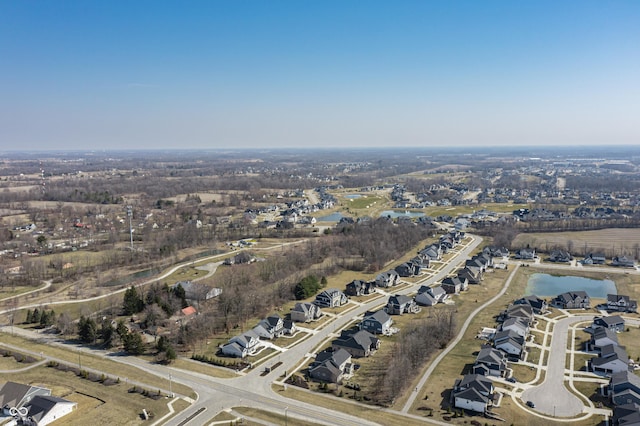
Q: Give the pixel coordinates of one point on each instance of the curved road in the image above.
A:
(552, 397)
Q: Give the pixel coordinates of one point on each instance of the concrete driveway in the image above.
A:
(552, 397)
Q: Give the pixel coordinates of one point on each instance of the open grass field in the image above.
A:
(110, 404)
(609, 241)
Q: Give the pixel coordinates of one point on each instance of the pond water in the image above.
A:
(394, 214)
(333, 217)
(546, 285)
(353, 196)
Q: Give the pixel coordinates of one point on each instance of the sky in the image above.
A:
(100, 75)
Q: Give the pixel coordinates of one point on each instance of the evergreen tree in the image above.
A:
(107, 333)
(133, 344)
(29, 318)
(133, 302)
(87, 330)
(35, 317)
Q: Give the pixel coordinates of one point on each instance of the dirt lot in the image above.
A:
(609, 241)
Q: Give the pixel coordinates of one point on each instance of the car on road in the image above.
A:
(531, 404)
(511, 380)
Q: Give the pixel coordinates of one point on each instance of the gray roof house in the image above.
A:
(360, 288)
(561, 256)
(594, 259)
(378, 322)
(517, 325)
(473, 392)
(621, 303)
(43, 410)
(270, 327)
(305, 312)
(16, 395)
(331, 367)
(626, 414)
(425, 299)
(623, 261)
(537, 304)
(400, 304)
(601, 337)
(614, 322)
(525, 253)
(387, 279)
(241, 345)
(624, 387)
(572, 300)
(331, 298)
(490, 362)
(359, 344)
(612, 359)
(454, 285)
(473, 274)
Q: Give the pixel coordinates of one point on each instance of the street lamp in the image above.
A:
(170, 389)
(130, 214)
(285, 416)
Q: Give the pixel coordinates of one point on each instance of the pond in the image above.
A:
(545, 285)
(394, 214)
(333, 217)
(353, 196)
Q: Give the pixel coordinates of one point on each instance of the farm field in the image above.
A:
(610, 241)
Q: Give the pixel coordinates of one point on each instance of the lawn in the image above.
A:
(268, 416)
(631, 341)
(110, 404)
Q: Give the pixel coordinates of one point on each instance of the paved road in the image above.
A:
(552, 397)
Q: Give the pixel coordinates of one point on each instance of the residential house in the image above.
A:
(626, 415)
(408, 269)
(473, 392)
(517, 325)
(537, 304)
(524, 312)
(289, 328)
(437, 292)
(360, 288)
(561, 256)
(378, 322)
(601, 337)
(509, 342)
(612, 359)
(400, 304)
(572, 300)
(16, 395)
(359, 344)
(624, 387)
(425, 299)
(387, 279)
(331, 366)
(331, 298)
(242, 345)
(623, 261)
(305, 312)
(594, 259)
(270, 327)
(476, 262)
(614, 322)
(433, 252)
(621, 303)
(494, 251)
(45, 409)
(490, 362)
(454, 285)
(472, 274)
(525, 253)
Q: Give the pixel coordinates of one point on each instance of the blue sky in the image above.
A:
(219, 74)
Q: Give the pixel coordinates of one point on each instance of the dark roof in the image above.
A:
(627, 414)
(380, 316)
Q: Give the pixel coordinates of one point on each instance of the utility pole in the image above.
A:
(130, 214)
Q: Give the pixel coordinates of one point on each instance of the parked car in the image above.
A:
(512, 380)
(531, 404)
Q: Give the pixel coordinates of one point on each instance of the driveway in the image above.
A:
(552, 397)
